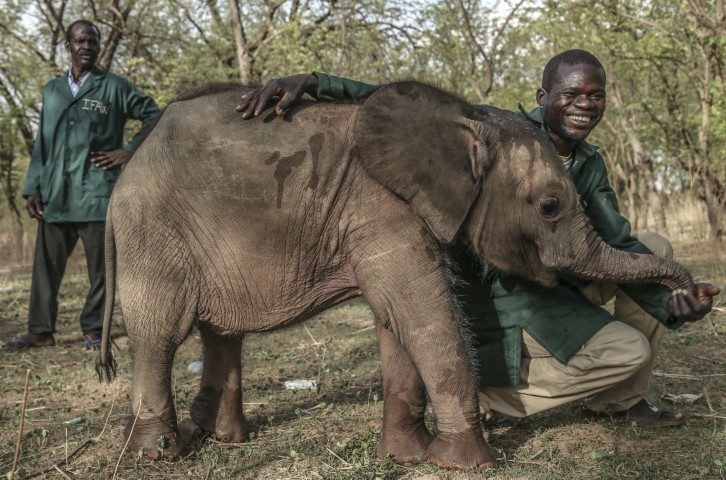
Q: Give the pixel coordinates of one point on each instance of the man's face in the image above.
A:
(84, 47)
(574, 104)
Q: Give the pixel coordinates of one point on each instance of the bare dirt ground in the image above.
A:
(73, 424)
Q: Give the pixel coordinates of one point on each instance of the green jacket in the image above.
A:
(71, 188)
(500, 307)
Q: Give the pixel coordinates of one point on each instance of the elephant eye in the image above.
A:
(550, 207)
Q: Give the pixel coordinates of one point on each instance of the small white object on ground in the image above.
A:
(301, 385)
(195, 367)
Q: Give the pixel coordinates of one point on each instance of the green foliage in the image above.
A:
(665, 129)
(665, 125)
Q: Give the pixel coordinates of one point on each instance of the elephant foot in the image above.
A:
(227, 425)
(158, 439)
(190, 432)
(462, 451)
(405, 444)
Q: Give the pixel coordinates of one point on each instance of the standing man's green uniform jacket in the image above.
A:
(560, 318)
(71, 188)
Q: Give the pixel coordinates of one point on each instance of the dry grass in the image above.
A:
(332, 433)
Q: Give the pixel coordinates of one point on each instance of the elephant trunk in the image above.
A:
(593, 259)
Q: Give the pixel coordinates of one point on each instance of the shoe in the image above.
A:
(642, 413)
(30, 340)
(92, 342)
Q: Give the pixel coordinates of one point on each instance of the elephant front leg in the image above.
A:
(405, 436)
(218, 406)
(411, 292)
(459, 441)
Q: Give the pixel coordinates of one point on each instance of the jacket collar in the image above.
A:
(94, 78)
(583, 150)
(92, 82)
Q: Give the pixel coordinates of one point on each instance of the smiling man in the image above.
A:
(572, 100)
(77, 157)
(540, 347)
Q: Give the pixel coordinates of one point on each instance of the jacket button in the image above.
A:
(71, 123)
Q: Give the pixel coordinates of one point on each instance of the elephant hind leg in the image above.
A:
(153, 422)
(217, 407)
(405, 436)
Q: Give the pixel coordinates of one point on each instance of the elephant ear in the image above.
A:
(422, 145)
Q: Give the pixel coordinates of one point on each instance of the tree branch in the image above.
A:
(24, 42)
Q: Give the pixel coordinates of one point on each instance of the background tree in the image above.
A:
(664, 131)
(27, 56)
(464, 44)
(685, 50)
(676, 69)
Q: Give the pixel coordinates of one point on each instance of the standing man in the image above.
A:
(543, 347)
(76, 160)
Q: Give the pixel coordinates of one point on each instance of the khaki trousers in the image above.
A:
(611, 370)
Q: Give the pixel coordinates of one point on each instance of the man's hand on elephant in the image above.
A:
(34, 206)
(691, 307)
(110, 159)
(287, 89)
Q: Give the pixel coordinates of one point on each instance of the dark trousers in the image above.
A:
(54, 245)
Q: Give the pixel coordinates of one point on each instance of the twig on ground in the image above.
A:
(25, 360)
(22, 424)
(532, 457)
(63, 461)
(34, 409)
(707, 415)
(713, 360)
(136, 417)
(311, 336)
(708, 401)
(319, 405)
(347, 465)
(371, 327)
(113, 400)
(528, 462)
(64, 474)
(682, 362)
(690, 377)
(322, 345)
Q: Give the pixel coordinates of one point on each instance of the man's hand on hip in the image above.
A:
(110, 159)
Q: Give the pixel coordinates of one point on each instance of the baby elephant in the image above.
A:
(240, 227)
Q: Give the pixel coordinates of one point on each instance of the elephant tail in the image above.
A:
(105, 363)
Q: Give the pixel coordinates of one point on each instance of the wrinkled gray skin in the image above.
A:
(242, 227)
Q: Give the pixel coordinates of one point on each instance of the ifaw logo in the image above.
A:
(95, 105)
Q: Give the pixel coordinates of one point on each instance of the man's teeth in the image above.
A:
(579, 118)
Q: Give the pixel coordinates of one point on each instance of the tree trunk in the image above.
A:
(715, 206)
(243, 57)
(643, 188)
